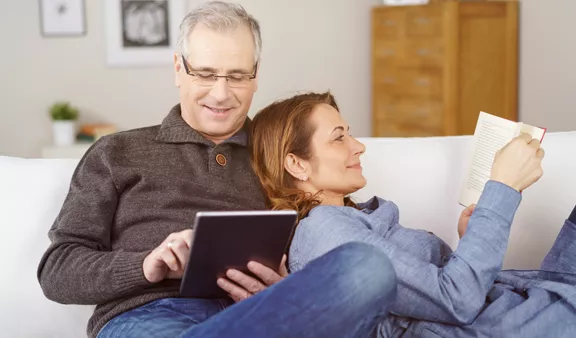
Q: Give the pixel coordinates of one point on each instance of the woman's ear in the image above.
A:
(296, 167)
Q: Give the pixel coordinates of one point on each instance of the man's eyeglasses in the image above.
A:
(208, 79)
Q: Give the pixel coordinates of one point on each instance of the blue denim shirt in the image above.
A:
(440, 291)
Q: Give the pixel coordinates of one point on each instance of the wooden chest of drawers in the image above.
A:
(435, 67)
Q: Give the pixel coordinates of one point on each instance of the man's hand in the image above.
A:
(169, 259)
(519, 163)
(241, 286)
(464, 219)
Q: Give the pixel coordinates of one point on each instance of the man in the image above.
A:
(122, 238)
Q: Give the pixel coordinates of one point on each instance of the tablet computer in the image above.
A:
(230, 239)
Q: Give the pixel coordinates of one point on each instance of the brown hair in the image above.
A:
(282, 128)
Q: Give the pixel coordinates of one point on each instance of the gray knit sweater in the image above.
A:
(128, 193)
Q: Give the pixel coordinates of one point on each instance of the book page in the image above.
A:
(491, 134)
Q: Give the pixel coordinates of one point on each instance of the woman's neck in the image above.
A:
(329, 199)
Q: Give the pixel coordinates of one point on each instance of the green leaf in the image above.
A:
(63, 111)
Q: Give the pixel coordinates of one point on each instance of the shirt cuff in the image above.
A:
(129, 274)
(501, 199)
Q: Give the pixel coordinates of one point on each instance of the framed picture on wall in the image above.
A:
(142, 32)
(62, 18)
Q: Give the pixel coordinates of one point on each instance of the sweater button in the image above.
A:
(221, 159)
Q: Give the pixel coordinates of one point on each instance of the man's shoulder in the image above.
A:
(136, 137)
(125, 142)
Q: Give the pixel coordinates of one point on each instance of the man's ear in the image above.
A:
(177, 68)
(257, 75)
(296, 167)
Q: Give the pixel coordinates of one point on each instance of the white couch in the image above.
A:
(422, 176)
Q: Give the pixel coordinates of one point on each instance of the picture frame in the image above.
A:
(142, 33)
(62, 18)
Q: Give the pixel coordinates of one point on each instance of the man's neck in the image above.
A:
(216, 139)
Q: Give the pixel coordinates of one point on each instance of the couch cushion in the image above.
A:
(31, 193)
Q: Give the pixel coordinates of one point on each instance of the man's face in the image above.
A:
(216, 109)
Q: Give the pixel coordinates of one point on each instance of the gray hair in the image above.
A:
(219, 16)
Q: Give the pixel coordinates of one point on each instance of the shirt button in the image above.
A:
(221, 159)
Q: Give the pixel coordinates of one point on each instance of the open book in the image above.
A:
(492, 134)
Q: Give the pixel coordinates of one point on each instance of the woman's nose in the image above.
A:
(359, 147)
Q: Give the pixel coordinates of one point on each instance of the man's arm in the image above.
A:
(79, 266)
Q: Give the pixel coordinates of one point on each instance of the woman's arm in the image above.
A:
(454, 293)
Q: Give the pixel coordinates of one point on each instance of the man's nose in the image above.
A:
(220, 90)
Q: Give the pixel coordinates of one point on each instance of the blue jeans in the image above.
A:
(562, 257)
(344, 293)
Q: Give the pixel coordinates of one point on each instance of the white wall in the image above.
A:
(308, 45)
(548, 63)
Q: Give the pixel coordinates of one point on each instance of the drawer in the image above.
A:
(388, 23)
(408, 82)
(385, 106)
(385, 77)
(422, 84)
(386, 128)
(424, 22)
(424, 53)
(389, 52)
(422, 114)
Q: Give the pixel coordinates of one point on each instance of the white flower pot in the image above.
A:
(64, 132)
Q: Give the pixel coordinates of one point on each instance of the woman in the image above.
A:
(307, 161)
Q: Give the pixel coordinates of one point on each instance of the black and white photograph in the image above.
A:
(142, 33)
(62, 18)
(145, 23)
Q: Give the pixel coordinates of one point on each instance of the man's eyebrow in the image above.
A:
(240, 71)
(213, 70)
(203, 69)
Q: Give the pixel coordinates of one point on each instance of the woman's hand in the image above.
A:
(240, 286)
(519, 163)
(464, 219)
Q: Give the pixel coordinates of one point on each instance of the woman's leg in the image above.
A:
(562, 257)
(164, 318)
(344, 293)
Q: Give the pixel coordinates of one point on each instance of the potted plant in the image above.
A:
(64, 119)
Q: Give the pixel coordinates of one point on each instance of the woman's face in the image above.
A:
(334, 166)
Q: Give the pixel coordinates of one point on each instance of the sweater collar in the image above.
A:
(175, 130)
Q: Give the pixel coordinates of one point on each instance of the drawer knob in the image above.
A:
(388, 52)
(420, 113)
(423, 52)
(422, 21)
(389, 80)
(423, 82)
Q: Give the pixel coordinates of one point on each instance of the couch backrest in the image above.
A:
(424, 176)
